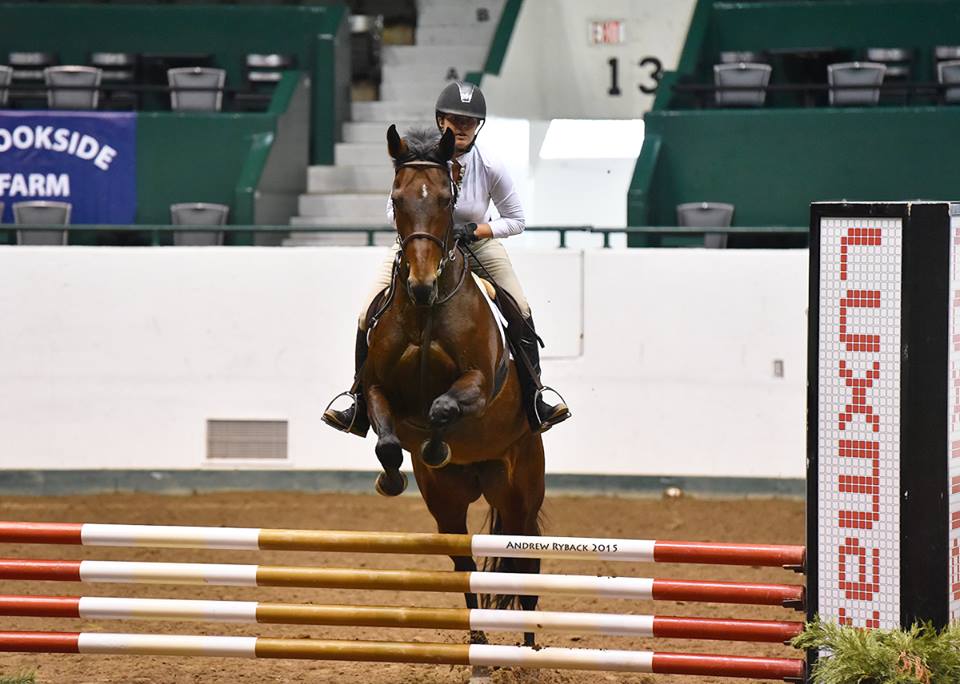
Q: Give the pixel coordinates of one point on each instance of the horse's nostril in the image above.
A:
(422, 293)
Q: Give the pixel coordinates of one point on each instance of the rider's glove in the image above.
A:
(465, 233)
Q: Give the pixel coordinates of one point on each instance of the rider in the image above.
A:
(461, 107)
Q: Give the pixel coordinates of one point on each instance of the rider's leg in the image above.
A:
(354, 418)
(521, 331)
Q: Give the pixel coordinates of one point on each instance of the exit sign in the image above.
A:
(609, 32)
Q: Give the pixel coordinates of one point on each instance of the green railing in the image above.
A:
(158, 235)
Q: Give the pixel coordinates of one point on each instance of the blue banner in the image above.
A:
(88, 159)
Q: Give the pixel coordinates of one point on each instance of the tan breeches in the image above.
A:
(489, 252)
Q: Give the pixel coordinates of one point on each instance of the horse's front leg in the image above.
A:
(466, 397)
(391, 481)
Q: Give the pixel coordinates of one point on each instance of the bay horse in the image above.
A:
(438, 380)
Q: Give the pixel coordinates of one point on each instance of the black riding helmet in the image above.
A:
(462, 99)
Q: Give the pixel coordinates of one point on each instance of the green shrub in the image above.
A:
(920, 655)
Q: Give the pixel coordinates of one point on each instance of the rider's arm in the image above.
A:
(483, 231)
(507, 201)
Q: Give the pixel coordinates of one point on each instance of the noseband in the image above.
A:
(448, 254)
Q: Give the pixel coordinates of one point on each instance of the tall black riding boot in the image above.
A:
(542, 415)
(352, 419)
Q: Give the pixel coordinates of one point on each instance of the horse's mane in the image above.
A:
(421, 146)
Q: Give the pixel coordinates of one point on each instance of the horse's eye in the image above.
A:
(444, 200)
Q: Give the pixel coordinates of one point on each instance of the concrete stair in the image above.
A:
(391, 111)
(458, 12)
(305, 239)
(414, 73)
(373, 131)
(361, 154)
(467, 56)
(421, 89)
(368, 207)
(474, 35)
(301, 239)
(351, 179)
(339, 221)
(452, 37)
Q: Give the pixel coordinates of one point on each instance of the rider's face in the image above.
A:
(464, 127)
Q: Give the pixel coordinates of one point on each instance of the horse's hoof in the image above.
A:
(481, 674)
(435, 453)
(391, 484)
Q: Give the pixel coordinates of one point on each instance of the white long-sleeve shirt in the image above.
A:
(483, 179)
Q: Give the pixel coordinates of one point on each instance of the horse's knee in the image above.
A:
(444, 410)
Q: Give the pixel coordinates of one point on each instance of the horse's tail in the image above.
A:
(495, 526)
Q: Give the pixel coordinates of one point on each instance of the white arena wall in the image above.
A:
(116, 358)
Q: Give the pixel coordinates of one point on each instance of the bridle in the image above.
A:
(448, 254)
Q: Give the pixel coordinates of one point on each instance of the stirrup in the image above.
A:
(356, 411)
(544, 424)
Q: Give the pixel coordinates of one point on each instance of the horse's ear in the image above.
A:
(395, 144)
(448, 145)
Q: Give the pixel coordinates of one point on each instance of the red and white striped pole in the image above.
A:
(478, 545)
(134, 572)
(103, 608)
(787, 669)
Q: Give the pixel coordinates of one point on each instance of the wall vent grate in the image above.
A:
(246, 439)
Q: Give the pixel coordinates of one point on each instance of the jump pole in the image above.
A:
(607, 624)
(477, 545)
(786, 669)
(130, 572)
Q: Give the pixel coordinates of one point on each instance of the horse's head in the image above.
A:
(423, 206)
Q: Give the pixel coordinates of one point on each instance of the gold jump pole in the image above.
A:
(348, 578)
(366, 542)
(364, 616)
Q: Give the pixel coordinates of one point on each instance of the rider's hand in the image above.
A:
(465, 233)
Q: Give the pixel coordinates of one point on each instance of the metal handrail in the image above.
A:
(907, 88)
(698, 230)
(800, 87)
(156, 230)
(21, 88)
